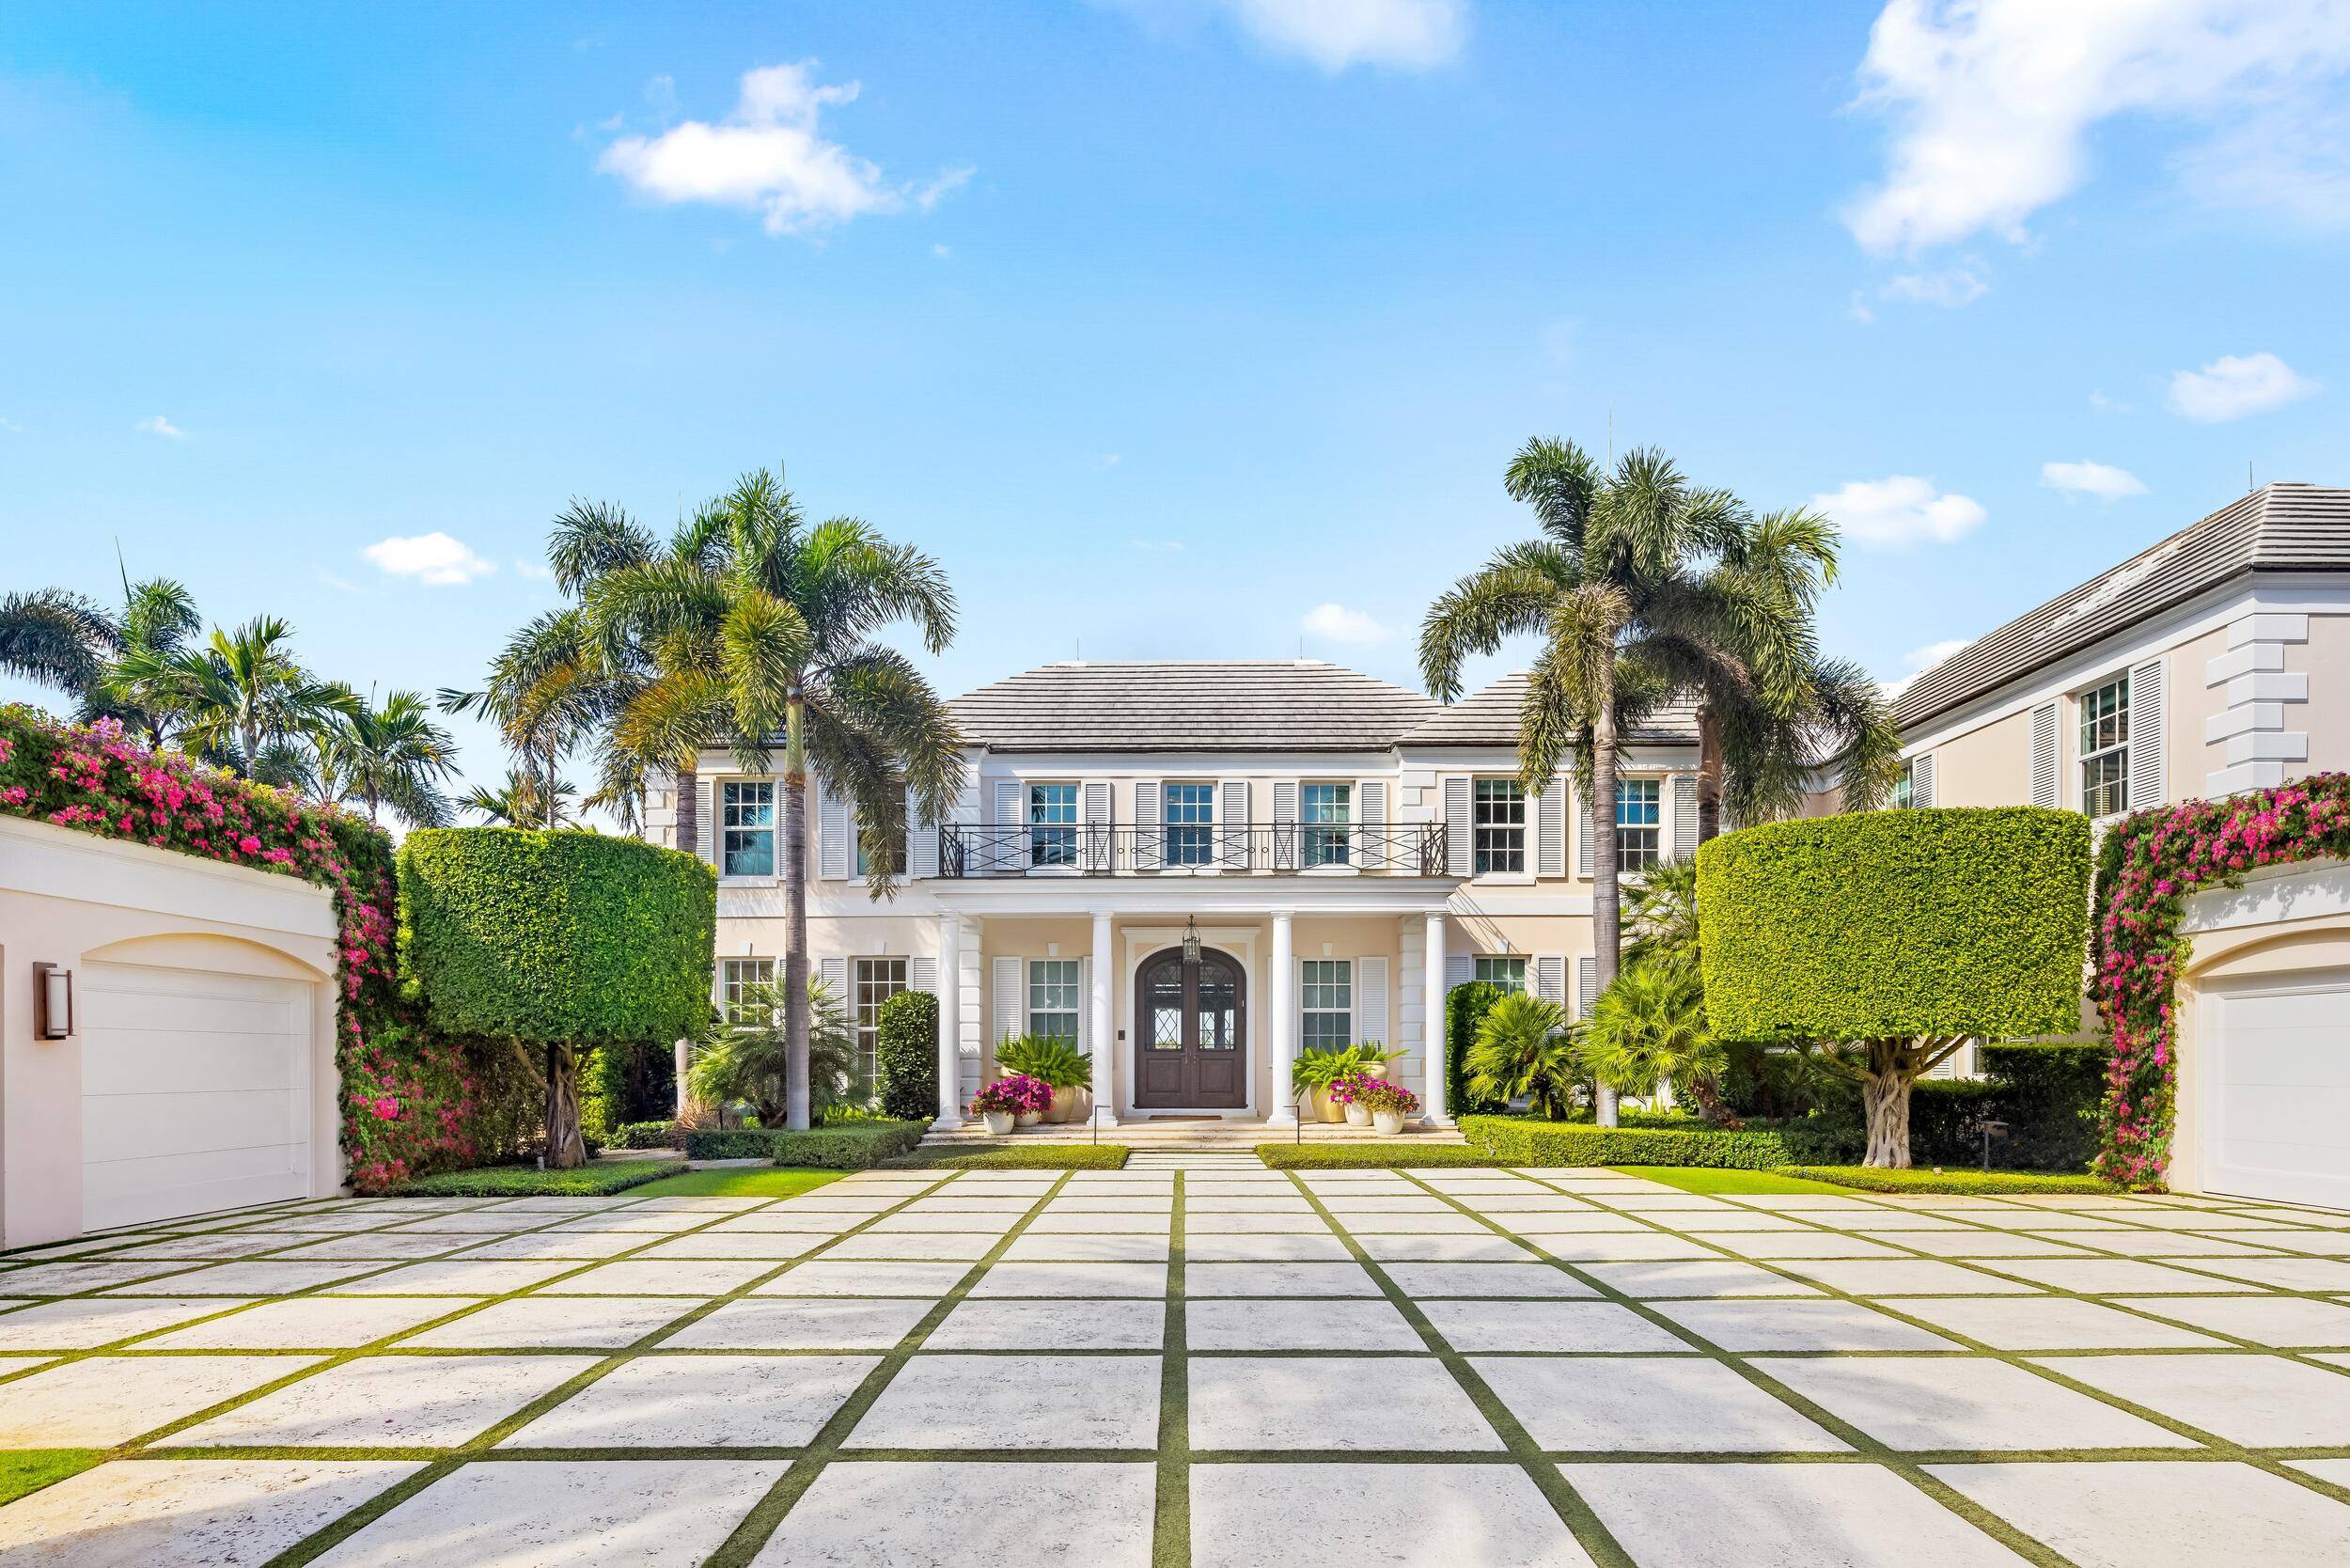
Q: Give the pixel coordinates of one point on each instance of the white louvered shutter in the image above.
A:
(2044, 755)
(1459, 969)
(1149, 844)
(1550, 978)
(1459, 848)
(834, 972)
(1586, 834)
(1085, 1006)
(1685, 787)
(1094, 830)
(921, 841)
(1550, 831)
(1921, 780)
(2147, 782)
(706, 826)
(1232, 826)
(1007, 846)
(1379, 846)
(922, 975)
(1010, 998)
(1285, 846)
(1371, 998)
(833, 858)
(1586, 985)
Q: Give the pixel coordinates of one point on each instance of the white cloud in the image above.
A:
(2234, 385)
(1919, 660)
(2100, 479)
(432, 557)
(1404, 34)
(1898, 512)
(155, 424)
(1993, 103)
(942, 252)
(536, 572)
(2104, 404)
(1336, 623)
(8, 424)
(768, 157)
(1948, 290)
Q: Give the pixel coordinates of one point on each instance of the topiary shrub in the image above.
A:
(905, 1056)
(1522, 1140)
(853, 1146)
(559, 940)
(1465, 1008)
(1891, 937)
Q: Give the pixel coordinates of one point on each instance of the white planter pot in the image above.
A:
(1029, 1119)
(1357, 1116)
(1387, 1123)
(999, 1122)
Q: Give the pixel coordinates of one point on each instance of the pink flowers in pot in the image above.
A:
(1015, 1093)
(1377, 1095)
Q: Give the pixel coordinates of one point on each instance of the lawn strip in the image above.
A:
(1170, 1522)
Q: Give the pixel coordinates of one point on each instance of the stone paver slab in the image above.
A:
(309, 1322)
(2055, 1323)
(1338, 1402)
(392, 1401)
(553, 1322)
(2129, 1513)
(1113, 1280)
(1050, 1326)
(1647, 1405)
(2288, 1322)
(88, 1323)
(1798, 1326)
(103, 1400)
(807, 1323)
(701, 1402)
(1375, 1516)
(1687, 1516)
(1973, 1402)
(822, 1277)
(2258, 1401)
(1278, 1280)
(1337, 1325)
(186, 1512)
(904, 1515)
(1557, 1327)
(1016, 1401)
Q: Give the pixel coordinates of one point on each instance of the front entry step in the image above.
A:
(1235, 1134)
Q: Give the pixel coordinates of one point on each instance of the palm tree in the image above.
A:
(1648, 1028)
(56, 638)
(159, 615)
(755, 626)
(394, 756)
(522, 801)
(1660, 916)
(242, 699)
(1525, 1049)
(1643, 587)
(748, 1058)
(545, 694)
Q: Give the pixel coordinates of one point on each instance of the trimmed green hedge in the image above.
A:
(853, 1146)
(567, 937)
(1524, 1140)
(645, 1135)
(1892, 923)
(1869, 1178)
(1371, 1156)
(593, 1180)
(2047, 1096)
(905, 1056)
(1034, 1156)
(1465, 1008)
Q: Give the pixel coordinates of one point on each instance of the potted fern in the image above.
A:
(1058, 1064)
(1374, 1060)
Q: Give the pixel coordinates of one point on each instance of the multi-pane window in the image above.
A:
(896, 854)
(747, 828)
(2105, 748)
(1502, 971)
(1326, 997)
(1053, 999)
(1497, 825)
(871, 982)
(1190, 814)
(1904, 792)
(1325, 810)
(1639, 824)
(736, 976)
(1051, 825)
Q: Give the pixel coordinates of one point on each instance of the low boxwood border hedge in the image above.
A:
(596, 1179)
(1371, 1156)
(1041, 1156)
(1526, 1140)
(644, 1135)
(1863, 1178)
(853, 1146)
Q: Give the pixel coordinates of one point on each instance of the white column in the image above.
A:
(1282, 1008)
(1105, 1028)
(949, 1021)
(1432, 1030)
(685, 1062)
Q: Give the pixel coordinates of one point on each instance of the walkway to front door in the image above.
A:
(1191, 1047)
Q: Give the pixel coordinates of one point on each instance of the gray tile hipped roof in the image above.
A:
(2278, 527)
(1490, 717)
(1190, 705)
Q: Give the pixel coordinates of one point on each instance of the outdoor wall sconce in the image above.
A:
(52, 1002)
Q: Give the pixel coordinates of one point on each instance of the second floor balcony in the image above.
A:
(1110, 849)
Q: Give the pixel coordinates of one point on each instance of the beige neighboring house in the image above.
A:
(2214, 662)
(1344, 848)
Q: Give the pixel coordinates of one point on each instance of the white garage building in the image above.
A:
(200, 1072)
(2264, 1020)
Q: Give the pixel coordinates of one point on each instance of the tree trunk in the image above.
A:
(795, 1011)
(1885, 1102)
(1710, 1106)
(1709, 776)
(689, 807)
(566, 1149)
(1607, 903)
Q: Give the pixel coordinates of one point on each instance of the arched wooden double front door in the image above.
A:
(1191, 1032)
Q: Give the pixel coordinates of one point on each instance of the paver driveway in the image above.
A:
(1194, 1359)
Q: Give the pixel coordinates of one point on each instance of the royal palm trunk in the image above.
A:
(1607, 907)
(795, 1009)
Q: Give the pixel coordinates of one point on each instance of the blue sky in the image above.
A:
(1173, 327)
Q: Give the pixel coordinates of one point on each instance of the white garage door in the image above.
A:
(196, 1092)
(2279, 1097)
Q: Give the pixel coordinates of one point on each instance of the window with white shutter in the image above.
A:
(1381, 851)
(1550, 978)
(2147, 782)
(921, 841)
(1150, 843)
(1007, 838)
(2044, 755)
(746, 827)
(1008, 998)
(1233, 831)
(1586, 834)
(1586, 985)
(1921, 780)
(1371, 998)
(1684, 840)
(924, 975)
(1550, 831)
(1096, 856)
(1460, 841)
(1459, 969)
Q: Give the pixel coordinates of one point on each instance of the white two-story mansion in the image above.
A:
(1340, 849)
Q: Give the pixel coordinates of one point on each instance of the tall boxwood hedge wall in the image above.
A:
(1465, 1008)
(905, 1054)
(1891, 923)
(559, 936)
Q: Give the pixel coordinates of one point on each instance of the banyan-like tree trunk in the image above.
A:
(1885, 1101)
(566, 1149)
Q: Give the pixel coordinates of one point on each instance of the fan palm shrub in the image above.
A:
(1524, 1050)
(749, 1058)
(1648, 1028)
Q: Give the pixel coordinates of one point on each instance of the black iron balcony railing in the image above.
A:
(1092, 849)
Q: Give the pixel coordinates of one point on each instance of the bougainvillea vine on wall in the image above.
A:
(410, 1103)
(2151, 864)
